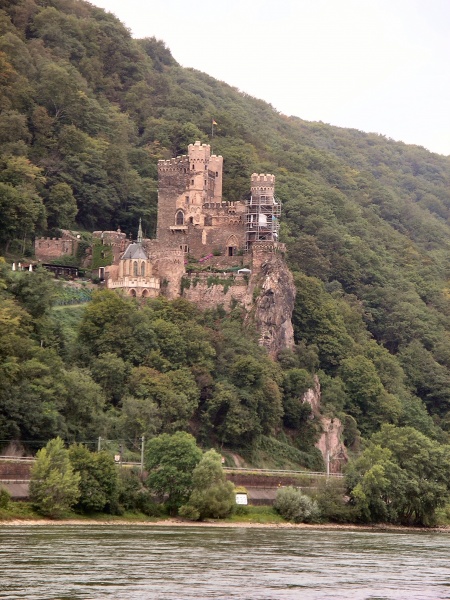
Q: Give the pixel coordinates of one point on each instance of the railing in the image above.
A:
(21, 458)
(248, 471)
(241, 470)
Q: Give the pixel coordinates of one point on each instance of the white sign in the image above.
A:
(241, 499)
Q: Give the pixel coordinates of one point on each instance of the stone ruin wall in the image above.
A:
(47, 249)
(232, 290)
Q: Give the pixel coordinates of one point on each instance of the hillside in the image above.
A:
(86, 112)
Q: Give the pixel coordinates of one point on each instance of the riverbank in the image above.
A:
(175, 522)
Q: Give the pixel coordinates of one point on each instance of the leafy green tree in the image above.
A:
(54, 486)
(61, 206)
(368, 401)
(170, 461)
(98, 484)
(316, 320)
(212, 496)
(401, 477)
(295, 383)
(83, 403)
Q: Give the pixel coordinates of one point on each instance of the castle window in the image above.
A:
(191, 219)
(143, 269)
(135, 268)
(217, 173)
(192, 182)
(187, 199)
(179, 218)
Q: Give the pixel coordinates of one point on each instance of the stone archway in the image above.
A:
(133, 293)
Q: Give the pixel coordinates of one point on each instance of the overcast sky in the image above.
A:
(376, 65)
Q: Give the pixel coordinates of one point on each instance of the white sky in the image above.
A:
(376, 65)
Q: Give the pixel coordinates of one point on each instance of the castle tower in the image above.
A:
(263, 211)
(186, 186)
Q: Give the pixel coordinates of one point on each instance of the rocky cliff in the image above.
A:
(273, 293)
(330, 442)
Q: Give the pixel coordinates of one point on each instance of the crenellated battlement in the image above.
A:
(173, 164)
(262, 179)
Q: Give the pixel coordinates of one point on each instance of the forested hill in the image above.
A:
(86, 112)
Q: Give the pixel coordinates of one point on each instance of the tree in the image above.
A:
(402, 476)
(98, 479)
(170, 461)
(54, 486)
(61, 206)
(212, 496)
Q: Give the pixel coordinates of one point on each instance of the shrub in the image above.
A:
(187, 511)
(294, 506)
(5, 497)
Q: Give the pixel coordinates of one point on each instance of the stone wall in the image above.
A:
(210, 290)
(47, 249)
(115, 239)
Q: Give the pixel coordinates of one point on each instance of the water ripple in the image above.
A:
(132, 563)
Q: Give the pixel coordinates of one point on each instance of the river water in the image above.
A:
(141, 562)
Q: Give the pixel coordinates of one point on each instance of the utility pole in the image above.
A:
(142, 453)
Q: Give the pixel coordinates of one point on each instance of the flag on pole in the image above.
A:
(214, 122)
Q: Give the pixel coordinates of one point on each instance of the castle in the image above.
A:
(195, 225)
(209, 251)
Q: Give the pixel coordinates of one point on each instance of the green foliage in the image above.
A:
(170, 461)
(54, 486)
(86, 112)
(332, 504)
(295, 506)
(5, 498)
(98, 483)
(212, 496)
(401, 477)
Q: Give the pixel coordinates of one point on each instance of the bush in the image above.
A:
(148, 506)
(294, 506)
(5, 498)
(332, 504)
(187, 511)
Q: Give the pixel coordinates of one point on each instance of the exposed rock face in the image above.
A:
(273, 291)
(330, 442)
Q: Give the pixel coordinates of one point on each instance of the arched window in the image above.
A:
(143, 269)
(135, 268)
(179, 218)
(133, 293)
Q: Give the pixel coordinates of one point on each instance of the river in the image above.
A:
(140, 562)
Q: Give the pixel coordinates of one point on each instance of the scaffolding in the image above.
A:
(262, 218)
